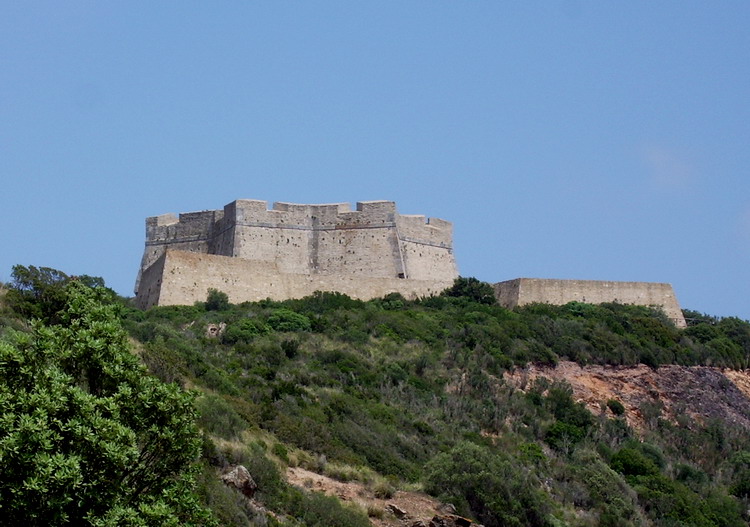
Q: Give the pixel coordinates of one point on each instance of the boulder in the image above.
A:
(394, 509)
(215, 330)
(238, 477)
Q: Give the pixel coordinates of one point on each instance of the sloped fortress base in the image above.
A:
(251, 252)
(522, 291)
(183, 278)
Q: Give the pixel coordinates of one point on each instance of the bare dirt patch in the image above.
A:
(418, 506)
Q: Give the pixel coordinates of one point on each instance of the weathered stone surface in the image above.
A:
(238, 477)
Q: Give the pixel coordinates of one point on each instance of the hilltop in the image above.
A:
(541, 415)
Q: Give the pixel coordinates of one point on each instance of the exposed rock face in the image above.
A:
(698, 392)
(215, 330)
(239, 478)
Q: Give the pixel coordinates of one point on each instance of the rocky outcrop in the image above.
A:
(700, 393)
(238, 477)
(215, 330)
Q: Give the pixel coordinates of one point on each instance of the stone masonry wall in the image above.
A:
(191, 231)
(183, 278)
(523, 291)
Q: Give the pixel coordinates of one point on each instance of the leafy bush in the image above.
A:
(245, 330)
(631, 462)
(88, 436)
(472, 289)
(487, 485)
(39, 292)
(217, 300)
(616, 407)
(287, 320)
(563, 436)
(219, 418)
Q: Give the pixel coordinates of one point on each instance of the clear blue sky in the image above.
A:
(564, 139)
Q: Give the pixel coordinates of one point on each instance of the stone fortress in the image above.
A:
(251, 252)
(290, 251)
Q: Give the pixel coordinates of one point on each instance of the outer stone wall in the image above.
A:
(523, 291)
(183, 278)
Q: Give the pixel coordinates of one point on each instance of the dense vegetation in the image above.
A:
(411, 393)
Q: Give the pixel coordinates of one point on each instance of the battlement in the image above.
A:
(372, 241)
(170, 228)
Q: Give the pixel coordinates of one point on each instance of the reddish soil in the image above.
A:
(699, 392)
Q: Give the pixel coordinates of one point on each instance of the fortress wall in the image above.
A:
(558, 292)
(190, 232)
(425, 262)
(280, 236)
(188, 276)
(508, 293)
(426, 247)
(221, 240)
(367, 252)
(362, 242)
(149, 284)
(286, 248)
(427, 231)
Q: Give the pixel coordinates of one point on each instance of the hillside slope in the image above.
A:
(544, 416)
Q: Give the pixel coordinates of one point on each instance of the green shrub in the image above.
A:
(563, 436)
(219, 418)
(287, 320)
(471, 289)
(488, 485)
(88, 437)
(281, 452)
(318, 510)
(616, 407)
(217, 300)
(383, 489)
(245, 330)
(631, 462)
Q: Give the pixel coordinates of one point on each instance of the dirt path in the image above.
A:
(418, 506)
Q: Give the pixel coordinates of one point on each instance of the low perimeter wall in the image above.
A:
(523, 291)
(183, 278)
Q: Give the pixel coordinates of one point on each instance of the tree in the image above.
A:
(38, 292)
(87, 437)
(472, 288)
(217, 300)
